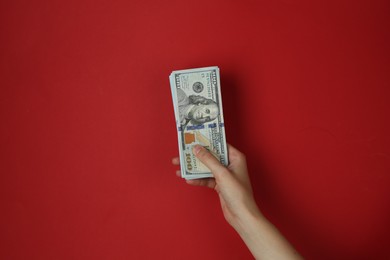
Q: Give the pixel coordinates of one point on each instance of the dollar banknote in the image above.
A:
(197, 103)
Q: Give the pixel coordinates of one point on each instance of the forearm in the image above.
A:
(263, 239)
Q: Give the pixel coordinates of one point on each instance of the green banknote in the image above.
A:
(197, 103)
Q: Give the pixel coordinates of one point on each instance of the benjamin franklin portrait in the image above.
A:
(195, 109)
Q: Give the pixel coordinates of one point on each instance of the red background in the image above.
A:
(87, 127)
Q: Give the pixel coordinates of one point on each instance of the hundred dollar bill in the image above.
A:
(197, 103)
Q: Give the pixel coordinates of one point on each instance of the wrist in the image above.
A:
(247, 220)
(262, 238)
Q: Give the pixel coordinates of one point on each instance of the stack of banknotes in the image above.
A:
(197, 103)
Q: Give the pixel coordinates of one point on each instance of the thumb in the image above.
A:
(210, 161)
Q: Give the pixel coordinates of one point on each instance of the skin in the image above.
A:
(239, 207)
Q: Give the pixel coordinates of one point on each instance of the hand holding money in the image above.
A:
(203, 153)
(232, 183)
(197, 103)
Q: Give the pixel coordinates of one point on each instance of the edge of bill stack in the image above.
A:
(197, 103)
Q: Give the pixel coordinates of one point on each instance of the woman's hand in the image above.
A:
(231, 183)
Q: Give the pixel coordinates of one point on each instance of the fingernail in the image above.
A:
(196, 149)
